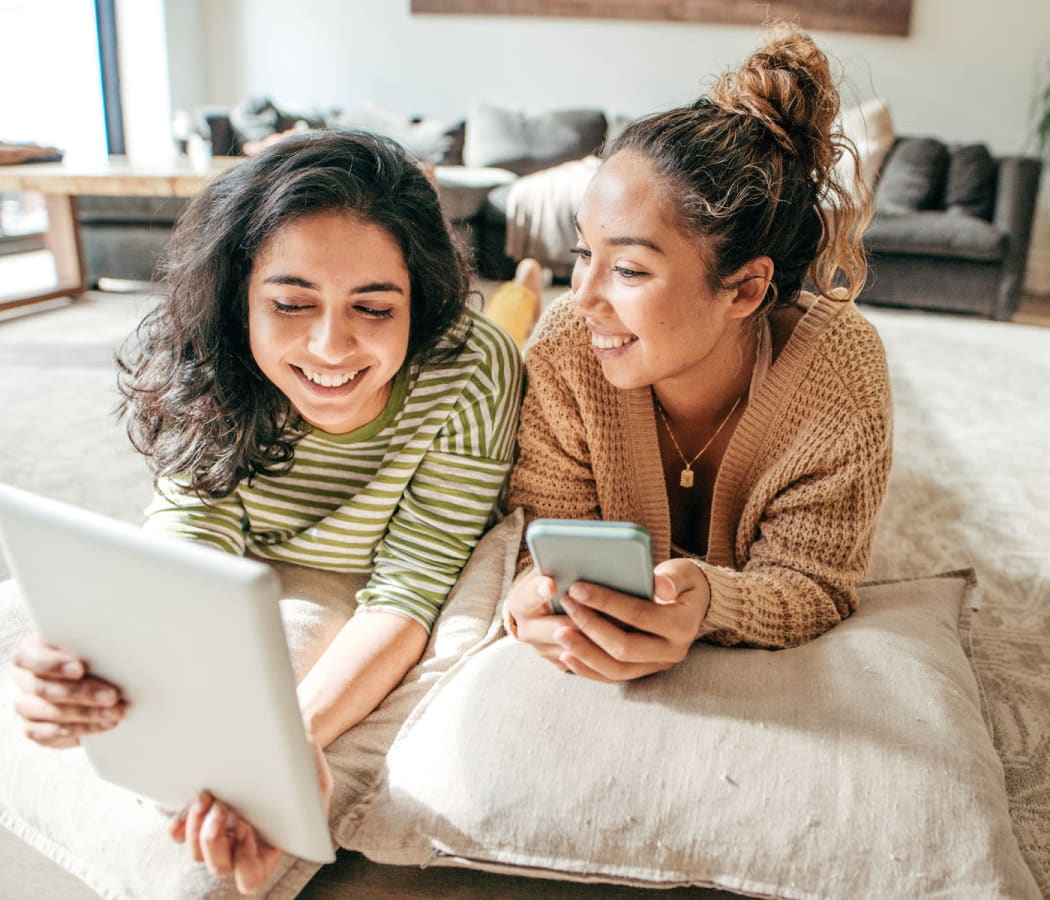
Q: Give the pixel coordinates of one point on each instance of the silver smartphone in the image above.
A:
(617, 555)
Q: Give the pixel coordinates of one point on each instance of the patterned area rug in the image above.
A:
(970, 487)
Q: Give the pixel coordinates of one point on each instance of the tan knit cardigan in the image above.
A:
(798, 492)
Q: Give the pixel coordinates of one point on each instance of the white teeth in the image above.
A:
(610, 342)
(326, 380)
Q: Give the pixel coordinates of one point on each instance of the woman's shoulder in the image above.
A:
(559, 329)
(483, 346)
(844, 348)
(832, 320)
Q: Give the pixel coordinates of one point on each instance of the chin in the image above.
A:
(625, 381)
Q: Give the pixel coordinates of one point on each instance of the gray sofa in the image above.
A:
(951, 229)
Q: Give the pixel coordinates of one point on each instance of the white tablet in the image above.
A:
(193, 638)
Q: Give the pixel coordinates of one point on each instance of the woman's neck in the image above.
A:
(707, 392)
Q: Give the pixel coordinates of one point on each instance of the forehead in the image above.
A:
(333, 233)
(628, 192)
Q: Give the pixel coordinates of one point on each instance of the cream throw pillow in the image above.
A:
(117, 843)
(857, 765)
(870, 127)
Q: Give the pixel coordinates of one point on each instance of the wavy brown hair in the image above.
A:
(196, 402)
(750, 170)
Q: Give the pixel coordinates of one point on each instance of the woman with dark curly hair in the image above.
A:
(689, 384)
(311, 389)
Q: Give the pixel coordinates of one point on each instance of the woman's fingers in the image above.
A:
(618, 637)
(195, 817)
(55, 736)
(215, 839)
(46, 659)
(60, 726)
(576, 666)
(583, 655)
(529, 606)
(540, 631)
(177, 828)
(253, 860)
(225, 843)
(613, 640)
(532, 596)
(85, 692)
(56, 703)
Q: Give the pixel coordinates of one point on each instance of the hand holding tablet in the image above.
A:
(193, 638)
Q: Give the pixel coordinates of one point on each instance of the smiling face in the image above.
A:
(641, 286)
(328, 317)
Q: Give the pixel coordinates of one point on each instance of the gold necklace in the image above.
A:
(685, 479)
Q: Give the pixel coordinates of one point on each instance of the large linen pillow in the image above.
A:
(857, 765)
(117, 843)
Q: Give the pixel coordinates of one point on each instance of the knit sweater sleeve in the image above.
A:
(812, 547)
(552, 476)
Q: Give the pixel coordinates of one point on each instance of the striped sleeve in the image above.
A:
(454, 491)
(177, 512)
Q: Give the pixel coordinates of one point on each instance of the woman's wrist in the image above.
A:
(704, 600)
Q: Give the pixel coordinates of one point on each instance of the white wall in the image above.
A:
(145, 79)
(965, 73)
(187, 56)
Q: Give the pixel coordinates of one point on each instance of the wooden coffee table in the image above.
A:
(116, 176)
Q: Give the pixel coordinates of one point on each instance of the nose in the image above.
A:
(586, 290)
(331, 337)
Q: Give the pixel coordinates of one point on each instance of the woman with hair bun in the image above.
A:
(689, 384)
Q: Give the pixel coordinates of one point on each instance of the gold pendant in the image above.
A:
(686, 478)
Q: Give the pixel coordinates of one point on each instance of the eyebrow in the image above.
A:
(624, 241)
(373, 287)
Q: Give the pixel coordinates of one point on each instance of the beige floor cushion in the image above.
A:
(117, 843)
(855, 766)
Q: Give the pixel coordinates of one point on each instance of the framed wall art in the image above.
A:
(872, 16)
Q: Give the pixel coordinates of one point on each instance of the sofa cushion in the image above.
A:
(913, 176)
(429, 138)
(971, 181)
(857, 765)
(527, 142)
(869, 127)
(952, 235)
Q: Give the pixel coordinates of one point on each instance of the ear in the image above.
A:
(749, 285)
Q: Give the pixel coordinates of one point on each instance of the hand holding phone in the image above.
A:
(616, 555)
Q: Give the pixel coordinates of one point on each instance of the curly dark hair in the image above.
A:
(197, 404)
(751, 170)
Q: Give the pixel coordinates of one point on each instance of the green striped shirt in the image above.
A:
(404, 498)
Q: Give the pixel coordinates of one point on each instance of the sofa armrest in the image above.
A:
(1014, 211)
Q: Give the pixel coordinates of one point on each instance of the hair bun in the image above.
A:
(787, 85)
